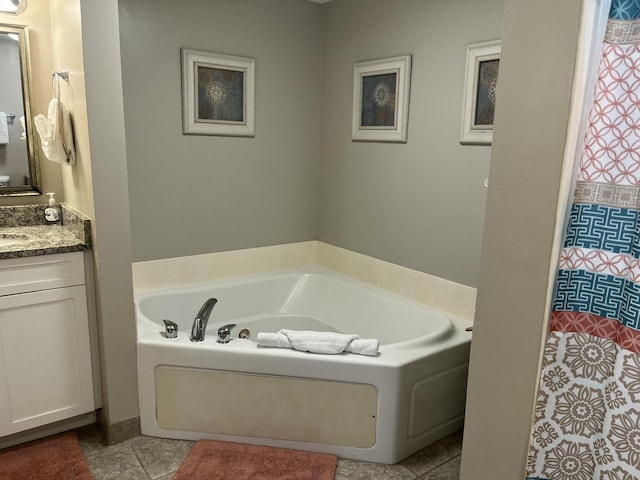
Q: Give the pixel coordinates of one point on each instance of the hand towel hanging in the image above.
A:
(56, 133)
(4, 129)
(56, 130)
(23, 135)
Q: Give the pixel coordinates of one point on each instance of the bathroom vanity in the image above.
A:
(46, 372)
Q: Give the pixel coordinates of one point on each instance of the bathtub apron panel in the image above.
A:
(336, 413)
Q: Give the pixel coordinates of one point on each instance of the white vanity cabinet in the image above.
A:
(45, 355)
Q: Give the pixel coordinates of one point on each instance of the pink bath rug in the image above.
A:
(214, 460)
(54, 458)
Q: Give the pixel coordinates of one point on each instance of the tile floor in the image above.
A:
(149, 458)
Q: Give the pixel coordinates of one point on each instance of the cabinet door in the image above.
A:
(45, 362)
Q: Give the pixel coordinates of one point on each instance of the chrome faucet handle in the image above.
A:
(170, 328)
(224, 333)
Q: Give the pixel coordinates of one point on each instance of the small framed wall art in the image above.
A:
(479, 101)
(381, 100)
(218, 94)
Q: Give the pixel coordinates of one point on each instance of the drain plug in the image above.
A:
(244, 333)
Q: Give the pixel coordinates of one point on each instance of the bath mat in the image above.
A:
(53, 458)
(214, 460)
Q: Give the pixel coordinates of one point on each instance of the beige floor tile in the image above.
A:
(457, 437)
(355, 470)
(432, 456)
(448, 471)
(160, 456)
(167, 477)
(89, 440)
(118, 462)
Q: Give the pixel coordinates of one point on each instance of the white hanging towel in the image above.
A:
(56, 133)
(4, 129)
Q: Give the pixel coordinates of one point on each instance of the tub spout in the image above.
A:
(199, 326)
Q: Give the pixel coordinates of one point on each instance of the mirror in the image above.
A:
(19, 168)
(12, 6)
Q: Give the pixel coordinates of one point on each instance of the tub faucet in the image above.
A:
(200, 322)
(224, 333)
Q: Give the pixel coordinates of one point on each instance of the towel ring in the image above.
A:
(64, 74)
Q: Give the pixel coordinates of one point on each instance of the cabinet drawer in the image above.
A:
(30, 274)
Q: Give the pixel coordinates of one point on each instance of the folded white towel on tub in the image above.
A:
(278, 340)
(319, 342)
(363, 346)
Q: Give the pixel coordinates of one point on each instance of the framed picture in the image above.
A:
(381, 100)
(478, 108)
(218, 94)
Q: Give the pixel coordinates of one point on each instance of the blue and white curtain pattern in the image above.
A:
(587, 416)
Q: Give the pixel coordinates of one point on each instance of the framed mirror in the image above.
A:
(19, 166)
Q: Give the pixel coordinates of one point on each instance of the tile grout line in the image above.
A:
(135, 452)
(441, 464)
(436, 468)
(438, 465)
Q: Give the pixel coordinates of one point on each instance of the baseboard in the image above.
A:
(113, 433)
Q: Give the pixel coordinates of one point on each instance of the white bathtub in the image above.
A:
(379, 409)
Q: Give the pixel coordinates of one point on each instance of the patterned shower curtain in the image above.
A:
(587, 415)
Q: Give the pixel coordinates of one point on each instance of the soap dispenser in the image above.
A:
(52, 212)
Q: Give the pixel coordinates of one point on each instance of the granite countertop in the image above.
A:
(32, 235)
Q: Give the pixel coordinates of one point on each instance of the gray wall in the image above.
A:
(420, 204)
(198, 194)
